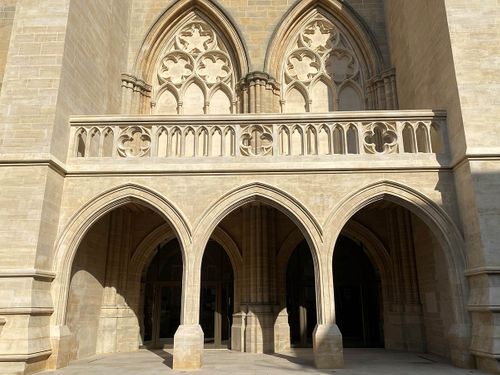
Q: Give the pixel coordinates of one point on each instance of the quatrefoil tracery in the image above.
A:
(256, 140)
(380, 138)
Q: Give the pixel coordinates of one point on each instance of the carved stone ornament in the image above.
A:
(321, 55)
(175, 68)
(134, 141)
(256, 140)
(214, 67)
(195, 37)
(380, 138)
(194, 55)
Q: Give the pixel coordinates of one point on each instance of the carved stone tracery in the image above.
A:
(322, 70)
(195, 55)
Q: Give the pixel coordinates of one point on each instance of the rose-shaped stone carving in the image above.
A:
(134, 141)
(342, 65)
(256, 140)
(175, 68)
(380, 138)
(195, 38)
(303, 65)
(320, 36)
(214, 67)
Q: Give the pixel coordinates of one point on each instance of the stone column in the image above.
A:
(136, 95)
(259, 93)
(327, 339)
(189, 337)
(259, 262)
(382, 91)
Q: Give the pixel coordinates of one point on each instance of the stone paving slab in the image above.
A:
(358, 362)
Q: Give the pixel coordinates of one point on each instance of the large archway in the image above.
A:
(102, 252)
(259, 225)
(104, 311)
(407, 238)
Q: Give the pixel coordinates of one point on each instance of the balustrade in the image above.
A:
(268, 135)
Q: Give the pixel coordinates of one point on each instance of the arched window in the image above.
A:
(323, 60)
(195, 72)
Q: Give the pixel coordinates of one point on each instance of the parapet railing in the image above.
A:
(246, 136)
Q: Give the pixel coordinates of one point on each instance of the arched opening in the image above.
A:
(394, 286)
(217, 296)
(161, 289)
(111, 294)
(260, 234)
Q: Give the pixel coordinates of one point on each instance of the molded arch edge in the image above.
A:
(269, 195)
(143, 254)
(438, 222)
(151, 45)
(357, 27)
(70, 239)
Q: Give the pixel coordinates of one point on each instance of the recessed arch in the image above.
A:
(438, 221)
(89, 214)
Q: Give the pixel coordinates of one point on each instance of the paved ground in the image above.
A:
(358, 362)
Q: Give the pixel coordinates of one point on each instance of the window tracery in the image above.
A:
(322, 70)
(195, 73)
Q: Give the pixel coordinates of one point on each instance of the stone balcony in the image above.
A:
(340, 140)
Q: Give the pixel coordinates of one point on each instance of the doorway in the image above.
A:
(162, 296)
(357, 296)
(301, 297)
(216, 305)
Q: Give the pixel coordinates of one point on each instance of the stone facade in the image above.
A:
(133, 131)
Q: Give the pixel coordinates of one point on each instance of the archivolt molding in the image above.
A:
(376, 250)
(143, 253)
(426, 209)
(268, 194)
(89, 214)
(168, 22)
(339, 13)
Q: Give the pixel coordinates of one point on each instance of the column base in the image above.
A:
(64, 347)
(491, 365)
(188, 347)
(282, 333)
(459, 343)
(238, 332)
(327, 347)
(259, 330)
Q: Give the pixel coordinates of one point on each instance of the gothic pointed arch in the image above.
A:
(192, 41)
(323, 44)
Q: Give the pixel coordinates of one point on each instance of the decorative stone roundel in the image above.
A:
(175, 68)
(303, 65)
(214, 67)
(321, 71)
(134, 141)
(195, 37)
(195, 73)
(256, 140)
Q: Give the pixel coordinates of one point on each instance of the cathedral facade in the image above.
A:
(256, 175)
